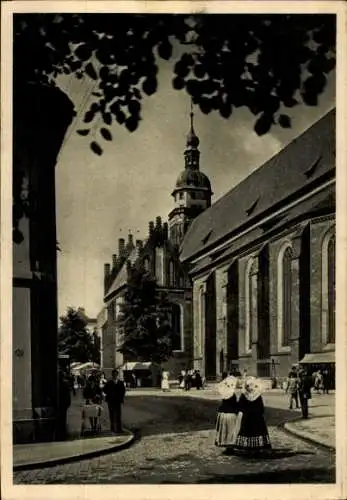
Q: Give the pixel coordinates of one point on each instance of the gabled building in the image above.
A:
(262, 262)
(159, 254)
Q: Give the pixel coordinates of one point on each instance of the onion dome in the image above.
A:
(193, 179)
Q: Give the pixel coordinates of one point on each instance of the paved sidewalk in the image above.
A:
(32, 455)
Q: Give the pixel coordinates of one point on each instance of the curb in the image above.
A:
(76, 458)
(287, 427)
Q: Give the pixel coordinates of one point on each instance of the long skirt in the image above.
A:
(253, 435)
(227, 428)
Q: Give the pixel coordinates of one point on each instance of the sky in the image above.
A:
(101, 198)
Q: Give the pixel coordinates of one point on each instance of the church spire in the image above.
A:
(192, 153)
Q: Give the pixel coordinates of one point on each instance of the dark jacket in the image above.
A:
(229, 405)
(115, 392)
(305, 384)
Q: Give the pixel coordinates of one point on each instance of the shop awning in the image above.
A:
(318, 357)
(136, 365)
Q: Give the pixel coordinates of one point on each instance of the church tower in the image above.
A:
(192, 192)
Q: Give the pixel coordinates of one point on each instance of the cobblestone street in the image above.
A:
(176, 445)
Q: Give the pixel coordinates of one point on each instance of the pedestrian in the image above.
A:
(253, 437)
(115, 391)
(198, 380)
(102, 381)
(92, 387)
(188, 380)
(325, 377)
(304, 389)
(228, 416)
(64, 402)
(318, 381)
(292, 389)
(165, 385)
(182, 379)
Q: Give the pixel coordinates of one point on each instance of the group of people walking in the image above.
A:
(113, 391)
(95, 390)
(240, 426)
(190, 378)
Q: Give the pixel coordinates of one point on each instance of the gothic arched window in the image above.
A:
(248, 306)
(331, 291)
(171, 274)
(176, 327)
(328, 289)
(284, 284)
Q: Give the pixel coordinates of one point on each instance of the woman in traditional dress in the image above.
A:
(165, 385)
(253, 436)
(228, 417)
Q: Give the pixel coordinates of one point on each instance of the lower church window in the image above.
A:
(284, 282)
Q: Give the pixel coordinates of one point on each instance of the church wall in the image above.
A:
(320, 228)
(221, 318)
(245, 356)
(281, 355)
(306, 242)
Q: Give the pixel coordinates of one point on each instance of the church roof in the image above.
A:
(293, 170)
(122, 277)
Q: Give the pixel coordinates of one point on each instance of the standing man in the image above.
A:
(292, 389)
(115, 391)
(304, 388)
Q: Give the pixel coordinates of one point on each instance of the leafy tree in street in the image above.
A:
(263, 62)
(144, 319)
(75, 340)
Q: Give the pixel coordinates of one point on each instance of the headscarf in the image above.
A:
(228, 386)
(253, 388)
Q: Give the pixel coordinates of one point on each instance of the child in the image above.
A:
(91, 415)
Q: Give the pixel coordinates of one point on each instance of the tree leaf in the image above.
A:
(284, 121)
(89, 69)
(150, 85)
(89, 116)
(83, 132)
(165, 50)
(94, 146)
(263, 124)
(106, 134)
(178, 83)
(131, 123)
(107, 117)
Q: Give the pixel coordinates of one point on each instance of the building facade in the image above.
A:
(41, 116)
(262, 262)
(159, 254)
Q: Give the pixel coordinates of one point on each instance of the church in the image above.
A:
(252, 276)
(159, 254)
(262, 263)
